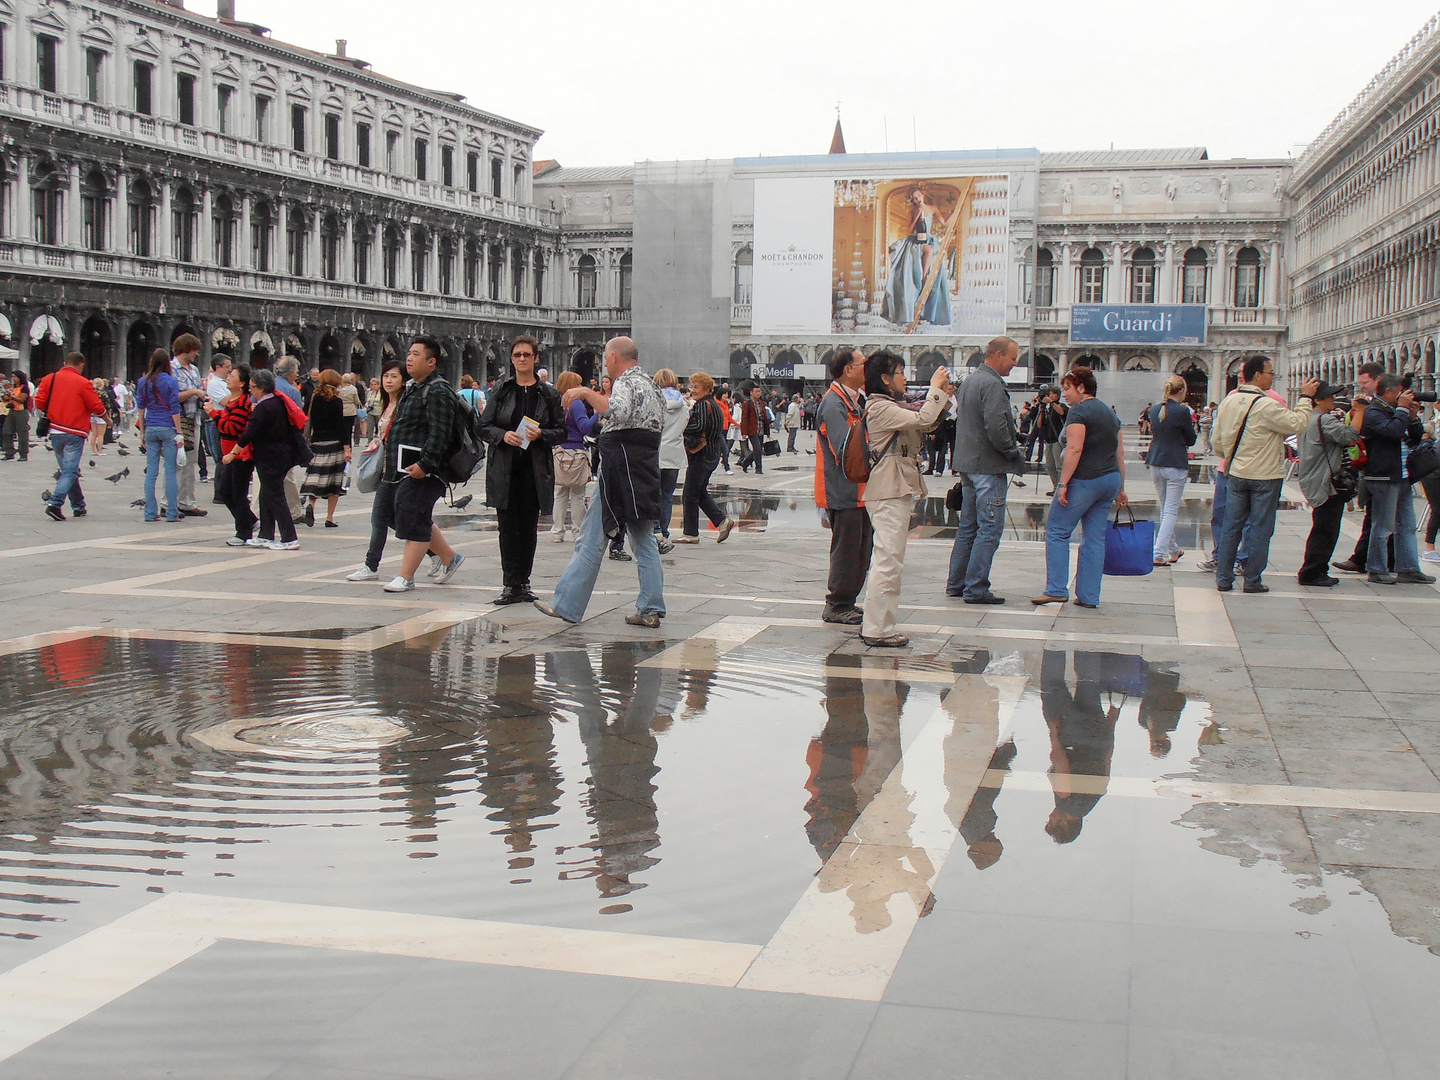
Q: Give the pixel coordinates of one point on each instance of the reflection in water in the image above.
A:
(878, 859)
(1082, 734)
(1082, 696)
(620, 745)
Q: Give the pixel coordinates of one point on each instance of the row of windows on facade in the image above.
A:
(1143, 269)
(142, 83)
(143, 210)
(1144, 277)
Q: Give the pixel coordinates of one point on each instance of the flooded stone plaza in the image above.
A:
(259, 821)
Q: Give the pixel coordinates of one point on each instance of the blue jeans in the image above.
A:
(1090, 502)
(1392, 513)
(982, 520)
(572, 593)
(1217, 519)
(68, 449)
(1169, 490)
(1250, 509)
(160, 445)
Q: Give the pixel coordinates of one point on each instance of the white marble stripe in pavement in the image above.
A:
(1405, 802)
(66, 984)
(846, 935)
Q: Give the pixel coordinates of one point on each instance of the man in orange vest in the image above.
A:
(841, 500)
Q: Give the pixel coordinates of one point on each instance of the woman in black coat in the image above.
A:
(270, 435)
(519, 474)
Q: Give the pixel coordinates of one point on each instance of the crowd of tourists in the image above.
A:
(296, 441)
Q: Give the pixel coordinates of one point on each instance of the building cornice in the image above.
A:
(1376, 98)
(236, 35)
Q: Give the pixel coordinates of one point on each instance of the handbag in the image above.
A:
(1346, 483)
(42, 422)
(1129, 546)
(369, 468)
(772, 447)
(572, 467)
(1422, 462)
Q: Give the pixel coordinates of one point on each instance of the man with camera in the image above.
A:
(1391, 426)
(1250, 432)
(1327, 479)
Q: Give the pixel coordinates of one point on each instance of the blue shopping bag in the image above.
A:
(1129, 546)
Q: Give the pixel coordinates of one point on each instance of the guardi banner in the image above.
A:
(1150, 324)
(881, 257)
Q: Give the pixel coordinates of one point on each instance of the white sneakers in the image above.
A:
(284, 545)
(362, 574)
(438, 570)
(255, 541)
(448, 572)
(237, 541)
(436, 567)
(400, 584)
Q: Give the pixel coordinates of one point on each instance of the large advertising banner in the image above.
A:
(902, 255)
(921, 256)
(1136, 324)
(793, 239)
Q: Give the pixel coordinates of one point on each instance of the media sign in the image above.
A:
(1137, 324)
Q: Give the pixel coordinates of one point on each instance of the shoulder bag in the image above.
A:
(42, 422)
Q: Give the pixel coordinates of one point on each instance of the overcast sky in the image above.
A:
(636, 79)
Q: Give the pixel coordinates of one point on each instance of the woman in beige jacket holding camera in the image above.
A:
(897, 435)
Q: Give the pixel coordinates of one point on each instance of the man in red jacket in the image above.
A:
(69, 400)
(754, 427)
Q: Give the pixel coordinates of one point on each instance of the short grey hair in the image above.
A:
(287, 366)
(265, 380)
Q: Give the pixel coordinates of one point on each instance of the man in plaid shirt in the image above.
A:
(425, 418)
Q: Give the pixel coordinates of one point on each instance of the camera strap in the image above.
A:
(1241, 433)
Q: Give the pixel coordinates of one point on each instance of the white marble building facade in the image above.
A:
(1366, 228)
(162, 172)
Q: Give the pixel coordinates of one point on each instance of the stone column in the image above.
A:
(1115, 287)
(1066, 292)
(312, 270)
(1169, 291)
(72, 210)
(24, 220)
(1220, 295)
(377, 251)
(207, 231)
(346, 269)
(120, 219)
(432, 264)
(165, 243)
(1274, 283)
(242, 242)
(405, 279)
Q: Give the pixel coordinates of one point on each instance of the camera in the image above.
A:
(1428, 397)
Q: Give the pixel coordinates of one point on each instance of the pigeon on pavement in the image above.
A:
(464, 501)
(119, 475)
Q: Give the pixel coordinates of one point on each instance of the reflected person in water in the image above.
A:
(1082, 738)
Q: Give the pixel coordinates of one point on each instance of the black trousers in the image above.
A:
(697, 495)
(274, 507)
(851, 538)
(755, 454)
(518, 525)
(232, 487)
(1431, 486)
(1325, 522)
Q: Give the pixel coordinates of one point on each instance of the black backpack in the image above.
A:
(466, 449)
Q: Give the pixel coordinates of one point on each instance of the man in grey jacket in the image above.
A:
(987, 450)
(1322, 456)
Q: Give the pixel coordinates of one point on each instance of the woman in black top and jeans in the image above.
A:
(704, 439)
(519, 473)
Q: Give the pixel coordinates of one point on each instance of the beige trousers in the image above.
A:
(574, 499)
(890, 519)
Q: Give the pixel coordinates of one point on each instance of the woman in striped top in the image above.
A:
(232, 484)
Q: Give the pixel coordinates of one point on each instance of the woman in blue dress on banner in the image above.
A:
(910, 260)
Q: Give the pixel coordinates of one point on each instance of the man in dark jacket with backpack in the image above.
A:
(841, 499)
(417, 447)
